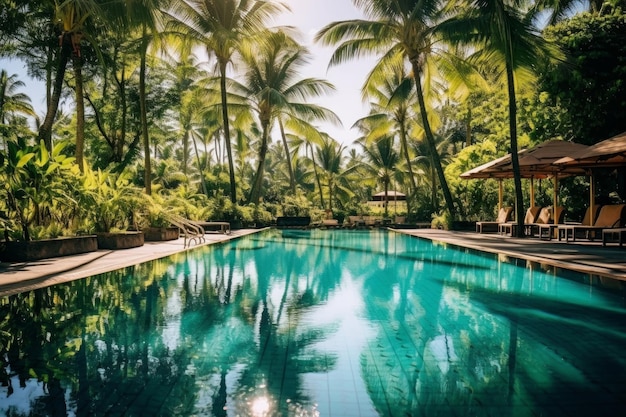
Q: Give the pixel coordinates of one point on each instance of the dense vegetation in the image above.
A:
(148, 125)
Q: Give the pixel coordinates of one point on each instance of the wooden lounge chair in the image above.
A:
(329, 224)
(617, 234)
(546, 228)
(610, 217)
(214, 226)
(588, 219)
(530, 218)
(504, 215)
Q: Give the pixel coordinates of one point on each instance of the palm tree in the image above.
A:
(510, 44)
(12, 102)
(401, 28)
(223, 27)
(393, 99)
(145, 16)
(334, 175)
(273, 87)
(382, 159)
(71, 16)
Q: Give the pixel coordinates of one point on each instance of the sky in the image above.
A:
(309, 16)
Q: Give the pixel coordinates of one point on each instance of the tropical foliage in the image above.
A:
(204, 107)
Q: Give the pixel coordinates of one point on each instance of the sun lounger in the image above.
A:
(329, 223)
(617, 234)
(588, 219)
(504, 215)
(545, 225)
(610, 217)
(221, 227)
(509, 228)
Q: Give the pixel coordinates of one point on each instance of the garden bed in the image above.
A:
(120, 240)
(48, 248)
(160, 234)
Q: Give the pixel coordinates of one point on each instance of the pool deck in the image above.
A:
(25, 276)
(587, 257)
(582, 256)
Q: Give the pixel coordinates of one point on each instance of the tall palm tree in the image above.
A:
(272, 85)
(71, 16)
(508, 43)
(223, 26)
(401, 28)
(382, 158)
(146, 18)
(11, 101)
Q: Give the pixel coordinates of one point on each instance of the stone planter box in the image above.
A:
(121, 240)
(48, 248)
(159, 234)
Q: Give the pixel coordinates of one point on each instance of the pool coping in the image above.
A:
(16, 277)
(585, 257)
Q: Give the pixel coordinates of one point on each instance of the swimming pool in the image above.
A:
(316, 323)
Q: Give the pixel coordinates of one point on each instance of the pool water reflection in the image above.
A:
(316, 323)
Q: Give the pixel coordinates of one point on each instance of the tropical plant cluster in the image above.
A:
(198, 107)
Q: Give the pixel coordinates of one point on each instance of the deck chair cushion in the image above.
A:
(590, 218)
(610, 216)
(560, 214)
(531, 214)
(544, 215)
(504, 214)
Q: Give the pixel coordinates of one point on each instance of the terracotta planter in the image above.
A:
(121, 240)
(159, 234)
(48, 248)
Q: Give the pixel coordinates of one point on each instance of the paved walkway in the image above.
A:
(25, 276)
(589, 257)
(582, 256)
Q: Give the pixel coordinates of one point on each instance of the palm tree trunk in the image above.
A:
(202, 182)
(433, 186)
(519, 199)
(431, 140)
(229, 150)
(386, 199)
(80, 113)
(405, 151)
(317, 176)
(147, 179)
(119, 150)
(468, 127)
(185, 152)
(292, 179)
(330, 195)
(45, 131)
(257, 183)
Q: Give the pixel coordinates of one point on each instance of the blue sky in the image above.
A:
(308, 16)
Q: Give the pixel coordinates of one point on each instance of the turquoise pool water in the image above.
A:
(317, 323)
